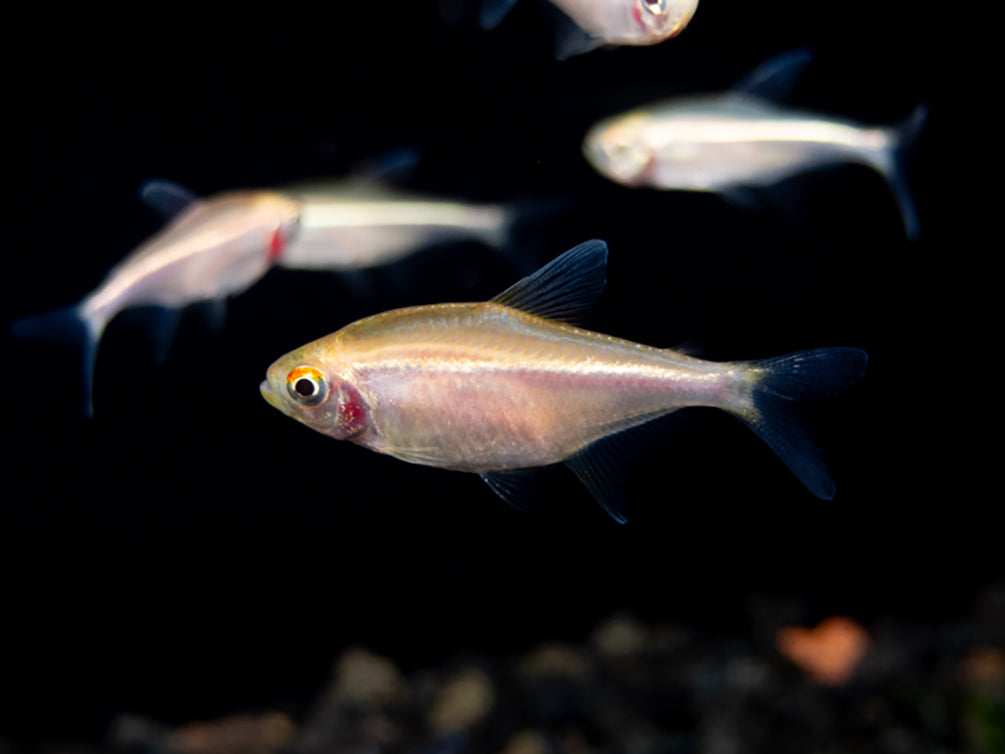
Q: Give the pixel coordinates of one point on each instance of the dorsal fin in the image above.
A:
(565, 288)
(493, 12)
(775, 78)
(167, 197)
(392, 165)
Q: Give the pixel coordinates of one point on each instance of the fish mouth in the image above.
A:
(271, 398)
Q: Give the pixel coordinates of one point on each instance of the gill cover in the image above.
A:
(343, 411)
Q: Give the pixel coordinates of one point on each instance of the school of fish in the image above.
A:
(502, 387)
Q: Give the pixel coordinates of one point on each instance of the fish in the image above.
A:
(212, 248)
(609, 22)
(220, 246)
(501, 387)
(740, 140)
(361, 224)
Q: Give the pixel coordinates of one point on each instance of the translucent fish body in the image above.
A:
(484, 387)
(219, 246)
(507, 385)
(715, 144)
(594, 23)
(728, 142)
(214, 248)
(629, 22)
(211, 249)
(356, 228)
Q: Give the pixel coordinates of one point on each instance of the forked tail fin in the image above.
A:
(782, 382)
(903, 138)
(67, 325)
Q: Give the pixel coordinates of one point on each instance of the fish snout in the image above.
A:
(616, 151)
(270, 397)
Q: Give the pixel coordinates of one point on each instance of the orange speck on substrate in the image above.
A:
(830, 653)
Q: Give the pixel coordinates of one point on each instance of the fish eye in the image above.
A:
(621, 148)
(307, 386)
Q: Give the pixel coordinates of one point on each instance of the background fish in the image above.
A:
(611, 22)
(212, 249)
(723, 143)
(220, 246)
(359, 225)
(498, 387)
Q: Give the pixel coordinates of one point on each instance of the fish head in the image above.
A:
(310, 386)
(658, 20)
(618, 149)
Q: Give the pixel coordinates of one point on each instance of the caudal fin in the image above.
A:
(67, 325)
(785, 380)
(902, 142)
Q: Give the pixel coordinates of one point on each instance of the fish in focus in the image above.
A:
(609, 22)
(503, 386)
(219, 246)
(728, 142)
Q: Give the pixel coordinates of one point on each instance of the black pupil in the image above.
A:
(305, 387)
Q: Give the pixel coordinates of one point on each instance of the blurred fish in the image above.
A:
(220, 246)
(723, 143)
(213, 248)
(503, 386)
(609, 22)
(357, 225)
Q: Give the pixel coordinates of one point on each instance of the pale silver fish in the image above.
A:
(220, 246)
(610, 22)
(725, 143)
(499, 387)
(213, 248)
(357, 225)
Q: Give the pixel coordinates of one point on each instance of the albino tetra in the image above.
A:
(507, 385)
(222, 245)
(608, 22)
(727, 142)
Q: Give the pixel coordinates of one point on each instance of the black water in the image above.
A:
(190, 551)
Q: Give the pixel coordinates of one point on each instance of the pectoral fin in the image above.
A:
(518, 488)
(600, 467)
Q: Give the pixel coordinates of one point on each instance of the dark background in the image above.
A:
(191, 552)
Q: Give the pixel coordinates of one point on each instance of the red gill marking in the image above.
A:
(637, 15)
(352, 416)
(276, 245)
